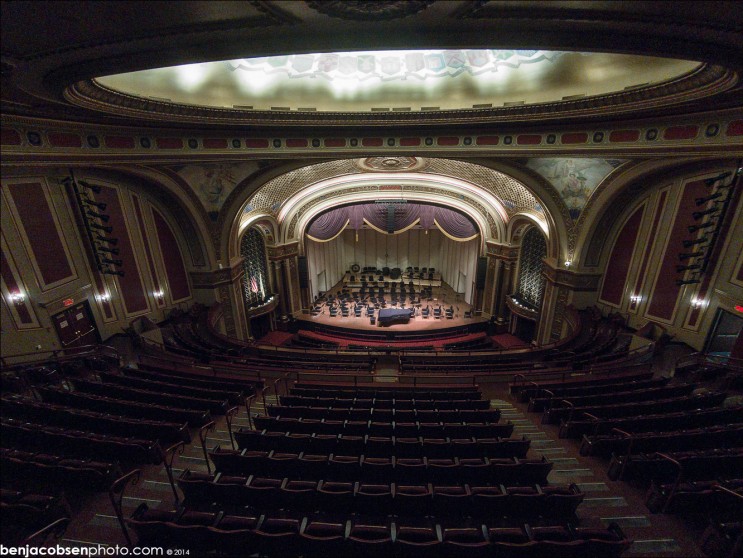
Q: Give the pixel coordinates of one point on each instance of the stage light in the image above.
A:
(100, 216)
(701, 201)
(687, 282)
(711, 212)
(99, 205)
(100, 227)
(680, 268)
(93, 187)
(712, 181)
(114, 251)
(695, 228)
(113, 241)
(690, 243)
(689, 255)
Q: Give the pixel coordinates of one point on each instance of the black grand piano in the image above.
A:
(389, 316)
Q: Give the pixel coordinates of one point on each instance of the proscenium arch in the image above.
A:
(476, 181)
(422, 197)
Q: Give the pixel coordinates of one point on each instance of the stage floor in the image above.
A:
(443, 296)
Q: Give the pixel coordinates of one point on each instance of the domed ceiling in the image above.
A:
(400, 80)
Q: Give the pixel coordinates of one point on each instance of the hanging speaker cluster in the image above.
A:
(102, 244)
(706, 228)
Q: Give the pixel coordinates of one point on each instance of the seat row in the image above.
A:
(381, 445)
(116, 425)
(53, 471)
(233, 397)
(706, 464)
(215, 407)
(404, 392)
(125, 407)
(480, 503)
(432, 429)
(696, 497)
(682, 403)
(544, 397)
(674, 420)
(524, 391)
(380, 414)
(319, 536)
(560, 407)
(174, 373)
(700, 438)
(476, 470)
(22, 434)
(393, 403)
(25, 512)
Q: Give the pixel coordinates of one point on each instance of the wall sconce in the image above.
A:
(635, 299)
(105, 297)
(697, 302)
(17, 298)
(159, 295)
(568, 263)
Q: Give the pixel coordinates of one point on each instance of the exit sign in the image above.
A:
(68, 302)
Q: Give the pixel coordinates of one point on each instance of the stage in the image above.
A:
(442, 296)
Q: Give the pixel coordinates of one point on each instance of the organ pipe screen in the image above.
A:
(255, 280)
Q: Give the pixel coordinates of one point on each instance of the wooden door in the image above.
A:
(76, 327)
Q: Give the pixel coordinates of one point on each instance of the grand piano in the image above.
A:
(389, 316)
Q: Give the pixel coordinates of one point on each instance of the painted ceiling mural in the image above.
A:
(214, 182)
(575, 179)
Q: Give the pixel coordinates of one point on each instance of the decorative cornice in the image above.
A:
(706, 81)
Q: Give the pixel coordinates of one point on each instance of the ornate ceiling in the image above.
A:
(414, 80)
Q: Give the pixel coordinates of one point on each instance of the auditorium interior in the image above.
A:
(393, 278)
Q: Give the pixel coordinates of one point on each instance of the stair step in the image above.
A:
(611, 502)
(651, 546)
(627, 521)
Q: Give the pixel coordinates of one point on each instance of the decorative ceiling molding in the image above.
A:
(707, 81)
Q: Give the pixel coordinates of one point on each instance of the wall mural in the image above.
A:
(575, 179)
(214, 182)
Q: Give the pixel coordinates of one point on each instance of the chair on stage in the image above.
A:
(468, 314)
(425, 313)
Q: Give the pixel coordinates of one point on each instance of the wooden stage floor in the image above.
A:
(443, 296)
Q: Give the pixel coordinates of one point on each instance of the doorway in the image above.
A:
(76, 327)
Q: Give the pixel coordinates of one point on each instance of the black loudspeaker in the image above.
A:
(482, 271)
(304, 275)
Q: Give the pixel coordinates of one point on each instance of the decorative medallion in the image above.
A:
(391, 164)
(375, 10)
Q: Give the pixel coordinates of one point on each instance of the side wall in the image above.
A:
(46, 261)
(641, 267)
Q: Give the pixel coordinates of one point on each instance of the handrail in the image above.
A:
(56, 528)
(116, 494)
(57, 355)
(629, 449)
(572, 408)
(168, 457)
(551, 396)
(203, 431)
(725, 489)
(248, 401)
(675, 483)
(229, 415)
(596, 421)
